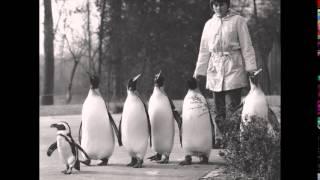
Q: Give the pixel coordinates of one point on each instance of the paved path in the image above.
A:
(51, 167)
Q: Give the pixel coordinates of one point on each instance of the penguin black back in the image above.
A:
(94, 81)
(192, 83)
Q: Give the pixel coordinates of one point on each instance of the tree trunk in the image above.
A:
(265, 75)
(101, 35)
(47, 98)
(265, 79)
(91, 67)
(255, 12)
(69, 92)
(115, 42)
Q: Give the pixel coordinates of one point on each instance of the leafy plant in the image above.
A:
(257, 153)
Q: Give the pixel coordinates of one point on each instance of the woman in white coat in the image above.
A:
(226, 56)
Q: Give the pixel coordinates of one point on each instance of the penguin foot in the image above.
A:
(187, 161)
(204, 159)
(104, 162)
(156, 157)
(133, 162)
(138, 164)
(67, 171)
(164, 161)
(86, 162)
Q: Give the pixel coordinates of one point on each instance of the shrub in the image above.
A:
(257, 155)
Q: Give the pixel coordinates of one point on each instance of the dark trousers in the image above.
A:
(225, 103)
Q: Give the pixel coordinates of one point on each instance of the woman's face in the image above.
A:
(220, 9)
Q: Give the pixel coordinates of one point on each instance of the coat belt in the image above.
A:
(224, 53)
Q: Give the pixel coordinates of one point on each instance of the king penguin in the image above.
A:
(96, 129)
(197, 125)
(67, 147)
(135, 127)
(255, 105)
(162, 113)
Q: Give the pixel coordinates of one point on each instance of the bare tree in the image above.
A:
(48, 82)
(76, 56)
(91, 64)
(116, 53)
(263, 50)
(101, 34)
(80, 46)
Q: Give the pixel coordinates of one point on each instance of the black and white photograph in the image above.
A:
(160, 89)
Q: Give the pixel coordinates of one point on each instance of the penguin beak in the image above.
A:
(136, 78)
(253, 79)
(132, 83)
(158, 75)
(58, 126)
(257, 72)
(54, 126)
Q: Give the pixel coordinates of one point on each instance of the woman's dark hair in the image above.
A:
(219, 2)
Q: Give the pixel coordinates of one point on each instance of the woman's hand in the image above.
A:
(250, 73)
(199, 77)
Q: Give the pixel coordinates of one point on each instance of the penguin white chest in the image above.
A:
(196, 126)
(65, 152)
(134, 126)
(162, 123)
(97, 135)
(255, 104)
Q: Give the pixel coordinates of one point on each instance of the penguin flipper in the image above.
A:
(212, 123)
(149, 123)
(178, 119)
(80, 133)
(176, 114)
(82, 150)
(273, 120)
(52, 148)
(148, 118)
(120, 135)
(114, 126)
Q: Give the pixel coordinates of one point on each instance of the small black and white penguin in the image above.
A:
(135, 127)
(162, 113)
(97, 127)
(67, 147)
(197, 125)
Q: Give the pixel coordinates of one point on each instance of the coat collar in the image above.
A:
(230, 14)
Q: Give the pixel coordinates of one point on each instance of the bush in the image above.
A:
(257, 155)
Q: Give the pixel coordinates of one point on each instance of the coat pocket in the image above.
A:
(211, 66)
(235, 63)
